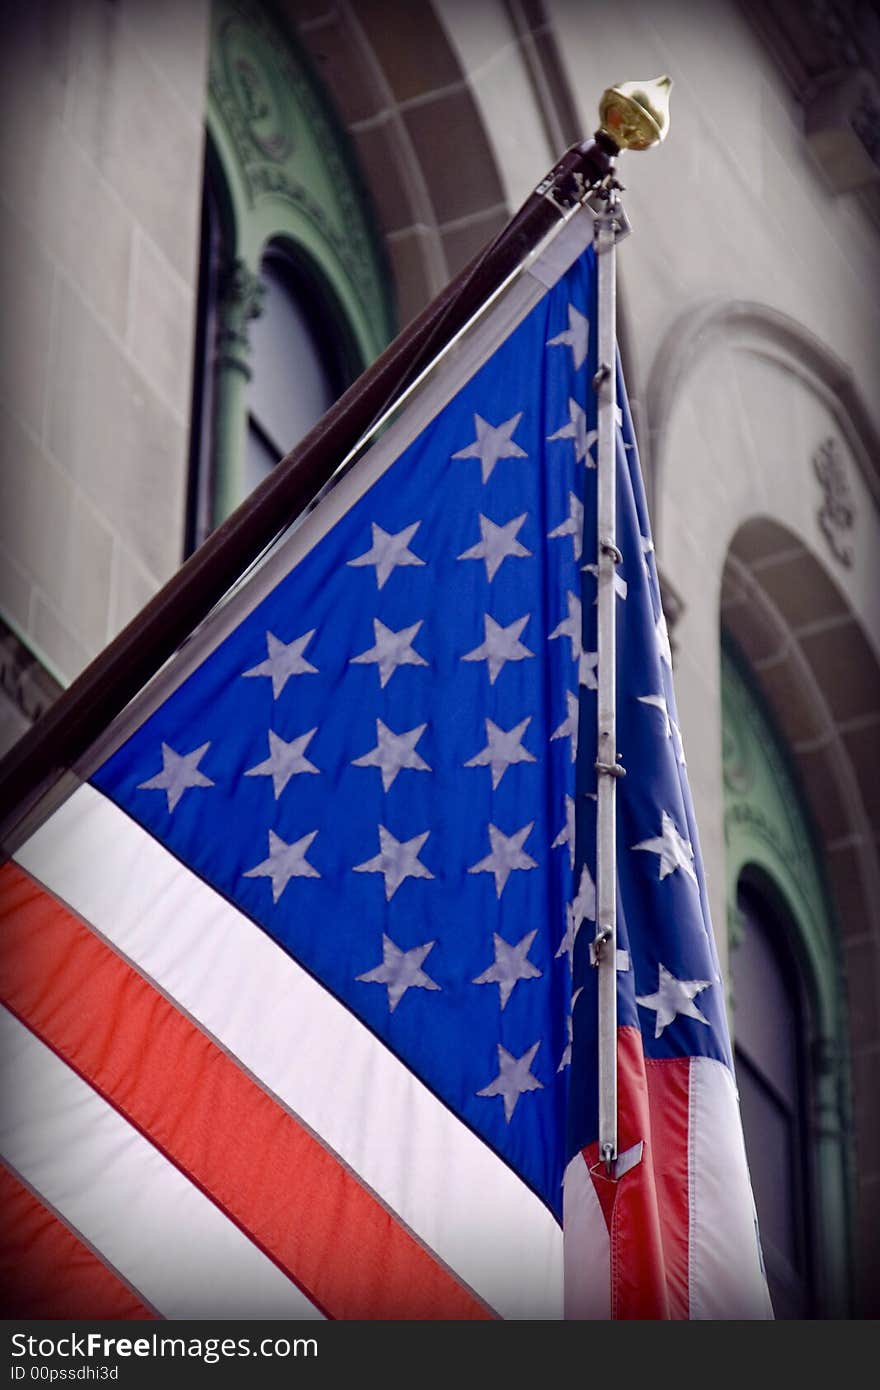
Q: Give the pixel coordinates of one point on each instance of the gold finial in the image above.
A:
(636, 114)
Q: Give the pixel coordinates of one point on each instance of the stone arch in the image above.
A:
(797, 631)
(401, 93)
(776, 337)
(415, 119)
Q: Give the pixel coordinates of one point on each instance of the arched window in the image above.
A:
(294, 295)
(788, 1017)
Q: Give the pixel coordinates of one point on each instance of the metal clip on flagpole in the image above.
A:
(635, 115)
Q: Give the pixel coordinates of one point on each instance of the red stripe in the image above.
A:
(261, 1167)
(46, 1271)
(630, 1205)
(669, 1099)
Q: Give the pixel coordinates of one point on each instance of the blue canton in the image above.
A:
(388, 766)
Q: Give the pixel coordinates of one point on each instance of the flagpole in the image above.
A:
(637, 123)
(36, 764)
(604, 946)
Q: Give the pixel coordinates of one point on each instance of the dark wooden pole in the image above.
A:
(63, 734)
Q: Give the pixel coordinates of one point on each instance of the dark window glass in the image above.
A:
(213, 257)
(295, 374)
(772, 1075)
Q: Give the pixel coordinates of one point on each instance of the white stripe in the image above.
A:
(726, 1279)
(172, 1244)
(587, 1247)
(466, 1205)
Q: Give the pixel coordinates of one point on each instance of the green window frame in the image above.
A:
(769, 843)
(283, 178)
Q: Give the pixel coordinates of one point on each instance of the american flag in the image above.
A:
(299, 1015)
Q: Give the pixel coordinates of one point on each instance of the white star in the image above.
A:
(285, 760)
(392, 649)
(397, 860)
(647, 548)
(569, 726)
(659, 702)
(284, 863)
(673, 997)
(566, 834)
(670, 728)
(576, 430)
(179, 771)
(497, 544)
(393, 752)
(587, 670)
(620, 585)
(510, 965)
(503, 749)
(388, 551)
(584, 904)
(566, 945)
(400, 970)
(507, 854)
(565, 1060)
(493, 442)
(570, 627)
(677, 742)
(284, 660)
(663, 639)
(582, 908)
(513, 1079)
(501, 645)
(577, 336)
(573, 527)
(674, 850)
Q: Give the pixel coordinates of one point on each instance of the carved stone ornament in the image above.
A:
(242, 291)
(843, 128)
(240, 300)
(836, 515)
(286, 145)
(736, 765)
(30, 688)
(266, 111)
